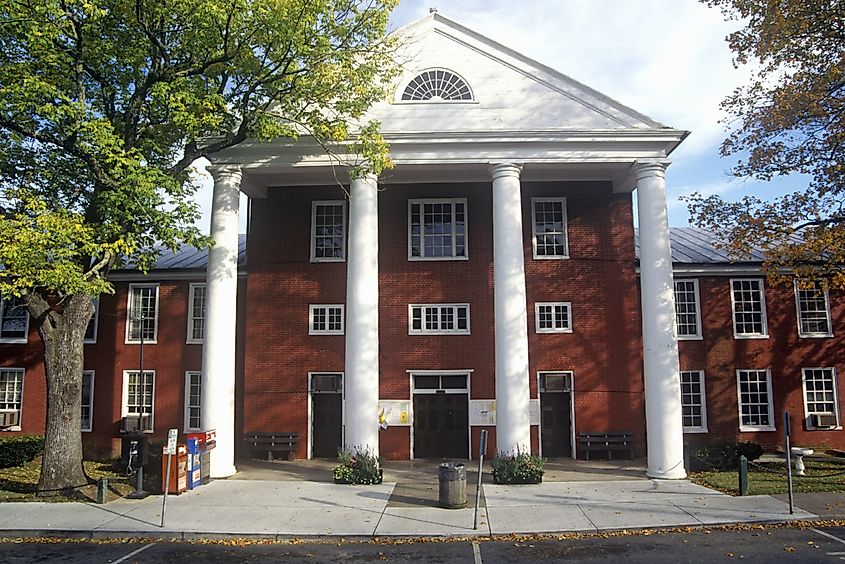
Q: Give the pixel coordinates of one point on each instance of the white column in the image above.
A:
(660, 342)
(513, 425)
(362, 374)
(218, 348)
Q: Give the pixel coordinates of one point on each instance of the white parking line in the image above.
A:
(133, 553)
(828, 535)
(476, 553)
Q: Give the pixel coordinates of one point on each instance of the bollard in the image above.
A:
(743, 475)
(102, 490)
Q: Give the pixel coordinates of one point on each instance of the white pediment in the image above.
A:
(511, 92)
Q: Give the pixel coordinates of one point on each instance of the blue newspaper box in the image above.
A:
(195, 456)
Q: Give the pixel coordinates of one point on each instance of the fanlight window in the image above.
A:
(437, 84)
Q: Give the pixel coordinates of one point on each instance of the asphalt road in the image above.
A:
(764, 545)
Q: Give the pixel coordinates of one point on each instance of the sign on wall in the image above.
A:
(396, 412)
(482, 412)
(534, 411)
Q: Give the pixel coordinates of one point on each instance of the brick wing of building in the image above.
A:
(492, 280)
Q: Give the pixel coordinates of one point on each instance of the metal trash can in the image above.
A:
(453, 485)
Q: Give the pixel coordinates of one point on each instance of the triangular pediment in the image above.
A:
(510, 91)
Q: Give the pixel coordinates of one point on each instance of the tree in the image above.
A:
(104, 107)
(789, 119)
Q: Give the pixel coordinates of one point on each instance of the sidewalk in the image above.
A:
(276, 509)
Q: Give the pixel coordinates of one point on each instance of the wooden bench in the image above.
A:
(607, 443)
(272, 443)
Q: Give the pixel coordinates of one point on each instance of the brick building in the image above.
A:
(489, 281)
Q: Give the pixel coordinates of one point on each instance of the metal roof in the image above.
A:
(696, 246)
(191, 258)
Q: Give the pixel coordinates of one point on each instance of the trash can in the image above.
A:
(453, 485)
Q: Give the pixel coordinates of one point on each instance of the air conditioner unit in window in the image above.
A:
(824, 420)
(136, 423)
(9, 419)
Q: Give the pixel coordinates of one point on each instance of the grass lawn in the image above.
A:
(18, 483)
(770, 478)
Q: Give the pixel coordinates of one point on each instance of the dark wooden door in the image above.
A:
(327, 425)
(441, 425)
(556, 424)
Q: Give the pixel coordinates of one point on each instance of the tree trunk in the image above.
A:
(62, 331)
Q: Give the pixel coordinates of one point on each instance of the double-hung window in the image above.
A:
(438, 319)
(14, 320)
(820, 394)
(811, 301)
(754, 389)
(693, 401)
(553, 317)
(437, 229)
(193, 401)
(91, 329)
(687, 314)
(11, 398)
(87, 399)
(749, 308)
(548, 216)
(139, 394)
(142, 313)
(196, 313)
(326, 319)
(328, 231)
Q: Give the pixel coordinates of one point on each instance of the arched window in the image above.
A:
(437, 84)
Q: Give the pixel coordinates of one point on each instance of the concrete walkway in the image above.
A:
(279, 509)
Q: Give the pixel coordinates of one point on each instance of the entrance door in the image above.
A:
(326, 415)
(441, 416)
(556, 420)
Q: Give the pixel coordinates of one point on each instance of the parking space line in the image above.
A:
(133, 553)
(828, 535)
(476, 553)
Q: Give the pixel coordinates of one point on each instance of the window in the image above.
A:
(87, 399)
(11, 398)
(196, 313)
(328, 231)
(142, 313)
(193, 400)
(91, 330)
(811, 299)
(138, 393)
(755, 400)
(549, 220)
(749, 309)
(820, 394)
(437, 84)
(437, 229)
(693, 401)
(687, 316)
(14, 320)
(326, 320)
(553, 317)
(438, 319)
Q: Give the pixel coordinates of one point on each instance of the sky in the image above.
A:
(667, 59)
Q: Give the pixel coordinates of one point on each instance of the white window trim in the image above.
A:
(763, 315)
(803, 335)
(17, 427)
(565, 229)
(313, 331)
(91, 405)
(314, 204)
(124, 408)
(703, 427)
(154, 340)
(753, 428)
(423, 331)
(187, 422)
(424, 201)
(190, 328)
(13, 340)
(96, 320)
(567, 305)
(699, 335)
(807, 417)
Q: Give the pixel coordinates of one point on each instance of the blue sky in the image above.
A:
(664, 58)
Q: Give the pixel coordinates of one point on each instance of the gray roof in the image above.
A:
(696, 246)
(190, 258)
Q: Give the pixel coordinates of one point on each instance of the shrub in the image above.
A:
(725, 456)
(19, 449)
(357, 467)
(519, 468)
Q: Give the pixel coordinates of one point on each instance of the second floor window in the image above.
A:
(14, 320)
(553, 317)
(91, 330)
(437, 229)
(687, 315)
(142, 313)
(196, 313)
(749, 308)
(438, 319)
(549, 219)
(813, 310)
(328, 231)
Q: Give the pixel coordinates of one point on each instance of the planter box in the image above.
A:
(520, 481)
(379, 480)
